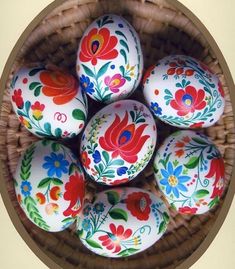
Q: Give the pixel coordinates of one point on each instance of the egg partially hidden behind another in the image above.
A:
(189, 170)
(49, 185)
(121, 222)
(184, 92)
(109, 59)
(118, 142)
(48, 103)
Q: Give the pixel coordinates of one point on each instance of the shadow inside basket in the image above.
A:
(163, 30)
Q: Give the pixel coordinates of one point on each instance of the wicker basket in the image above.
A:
(164, 29)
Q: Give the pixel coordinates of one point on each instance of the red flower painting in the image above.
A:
(98, 44)
(112, 241)
(62, 87)
(138, 203)
(188, 100)
(17, 98)
(124, 139)
(85, 160)
(188, 210)
(217, 170)
(74, 192)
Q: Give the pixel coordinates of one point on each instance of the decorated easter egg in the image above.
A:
(189, 171)
(48, 103)
(109, 59)
(49, 185)
(184, 92)
(123, 221)
(118, 142)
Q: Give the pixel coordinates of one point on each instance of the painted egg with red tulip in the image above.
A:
(118, 142)
(189, 170)
(120, 222)
(109, 59)
(49, 185)
(184, 92)
(49, 103)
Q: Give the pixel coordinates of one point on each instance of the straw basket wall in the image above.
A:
(164, 27)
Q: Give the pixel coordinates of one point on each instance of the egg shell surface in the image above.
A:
(109, 59)
(118, 142)
(189, 170)
(49, 185)
(122, 221)
(48, 103)
(184, 92)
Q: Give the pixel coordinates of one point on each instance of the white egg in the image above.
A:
(48, 103)
(118, 142)
(123, 221)
(49, 185)
(183, 92)
(109, 60)
(189, 170)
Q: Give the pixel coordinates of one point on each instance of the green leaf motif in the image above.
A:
(73, 167)
(68, 220)
(117, 162)
(200, 193)
(162, 227)
(118, 213)
(34, 213)
(106, 156)
(34, 85)
(55, 146)
(57, 181)
(124, 44)
(44, 182)
(35, 71)
(26, 163)
(192, 163)
(199, 141)
(47, 127)
(127, 252)
(27, 106)
(113, 197)
(166, 217)
(123, 53)
(214, 202)
(88, 71)
(93, 243)
(120, 33)
(58, 132)
(78, 114)
(103, 69)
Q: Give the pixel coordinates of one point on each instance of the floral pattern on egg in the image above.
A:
(183, 92)
(122, 222)
(110, 60)
(48, 103)
(118, 142)
(189, 170)
(49, 185)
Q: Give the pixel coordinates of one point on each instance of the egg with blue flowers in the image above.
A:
(49, 185)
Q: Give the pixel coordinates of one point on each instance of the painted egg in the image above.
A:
(49, 185)
(122, 222)
(109, 59)
(183, 92)
(48, 103)
(118, 142)
(189, 170)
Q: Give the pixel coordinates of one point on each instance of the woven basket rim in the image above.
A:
(231, 189)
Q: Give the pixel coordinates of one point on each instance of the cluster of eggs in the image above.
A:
(118, 141)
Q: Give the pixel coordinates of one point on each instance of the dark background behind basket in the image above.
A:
(166, 43)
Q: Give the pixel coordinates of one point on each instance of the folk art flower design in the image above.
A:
(58, 85)
(56, 164)
(114, 239)
(37, 109)
(190, 172)
(98, 44)
(86, 84)
(138, 203)
(75, 194)
(17, 98)
(123, 139)
(105, 226)
(114, 82)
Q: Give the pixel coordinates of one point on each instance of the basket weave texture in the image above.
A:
(163, 30)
